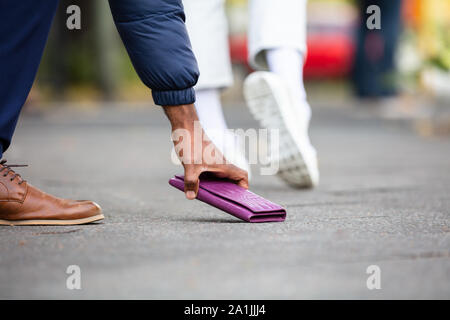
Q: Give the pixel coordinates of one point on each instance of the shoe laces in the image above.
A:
(6, 169)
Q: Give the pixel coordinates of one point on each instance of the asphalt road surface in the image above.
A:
(384, 200)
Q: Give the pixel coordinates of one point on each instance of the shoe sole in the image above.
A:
(44, 222)
(267, 104)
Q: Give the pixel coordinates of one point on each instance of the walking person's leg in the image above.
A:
(207, 26)
(24, 28)
(277, 43)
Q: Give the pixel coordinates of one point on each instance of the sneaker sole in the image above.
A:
(263, 94)
(44, 222)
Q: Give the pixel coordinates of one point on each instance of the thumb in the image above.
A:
(191, 182)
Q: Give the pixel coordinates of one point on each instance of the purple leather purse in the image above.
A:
(235, 200)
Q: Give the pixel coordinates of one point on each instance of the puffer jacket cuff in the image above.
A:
(174, 97)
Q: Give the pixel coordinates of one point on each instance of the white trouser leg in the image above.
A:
(275, 24)
(207, 26)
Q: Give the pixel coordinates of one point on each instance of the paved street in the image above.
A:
(384, 200)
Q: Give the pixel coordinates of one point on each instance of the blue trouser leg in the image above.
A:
(24, 28)
(374, 64)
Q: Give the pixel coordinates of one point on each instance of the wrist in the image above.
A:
(182, 116)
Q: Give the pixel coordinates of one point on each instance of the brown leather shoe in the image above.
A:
(23, 204)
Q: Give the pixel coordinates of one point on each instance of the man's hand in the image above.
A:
(198, 155)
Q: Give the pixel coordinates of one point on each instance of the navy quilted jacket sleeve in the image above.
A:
(157, 42)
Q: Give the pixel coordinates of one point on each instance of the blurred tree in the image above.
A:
(87, 57)
(106, 47)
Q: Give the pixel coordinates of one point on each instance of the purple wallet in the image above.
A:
(235, 200)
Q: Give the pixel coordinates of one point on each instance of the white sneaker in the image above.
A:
(270, 102)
